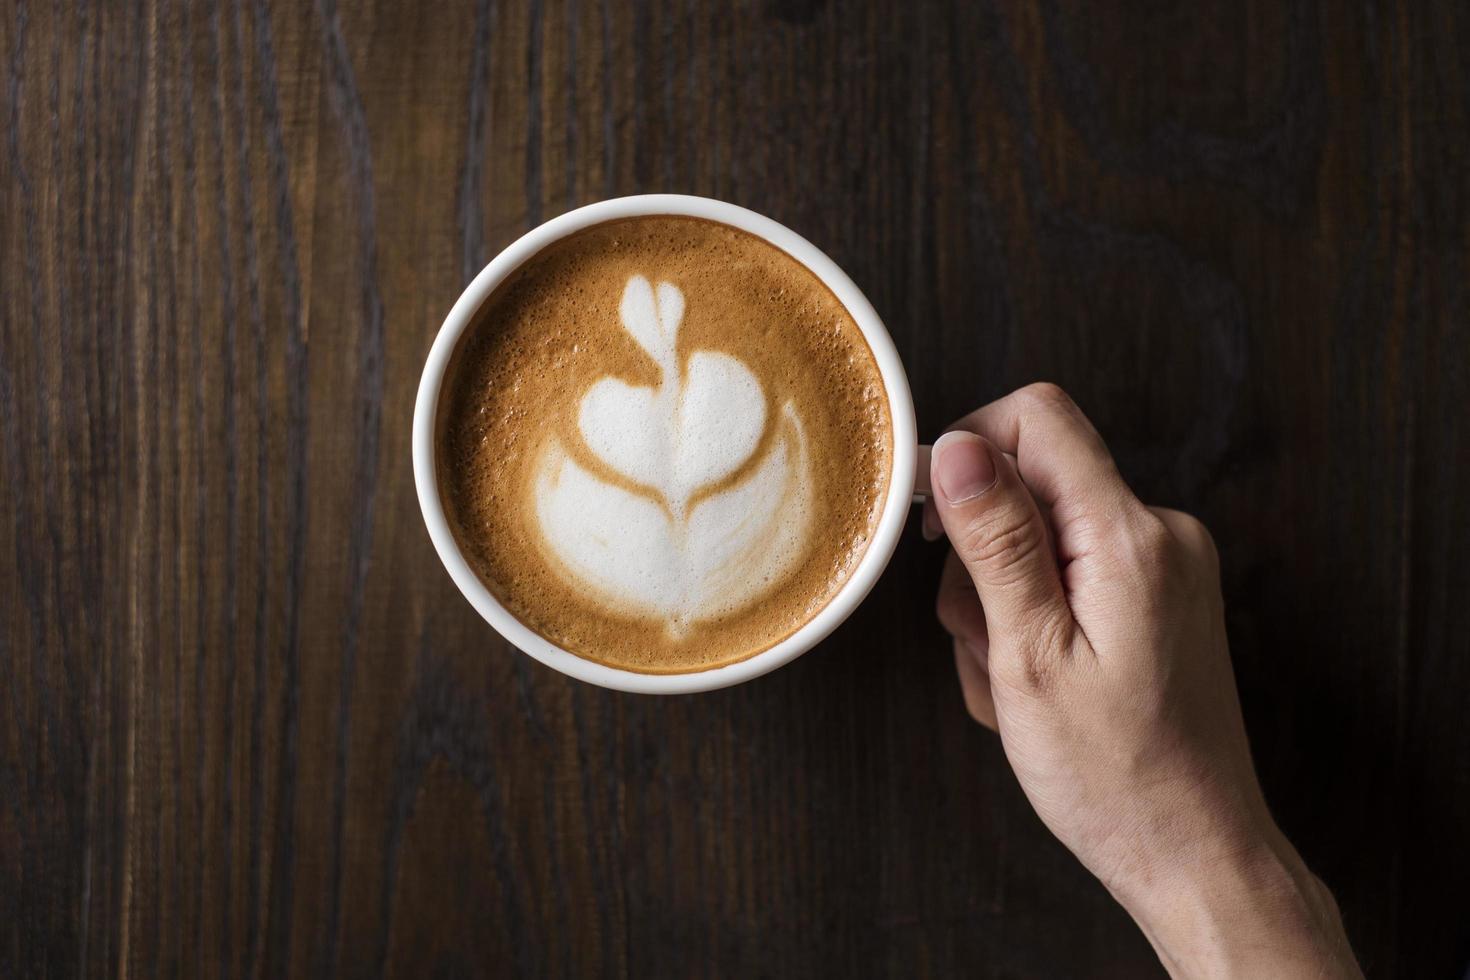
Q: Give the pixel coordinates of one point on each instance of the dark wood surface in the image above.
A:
(249, 728)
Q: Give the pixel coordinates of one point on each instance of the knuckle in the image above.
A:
(1147, 556)
(1030, 672)
(1046, 395)
(1154, 544)
(1003, 545)
(1052, 411)
(1034, 666)
(1181, 551)
(1176, 567)
(1039, 676)
(1170, 574)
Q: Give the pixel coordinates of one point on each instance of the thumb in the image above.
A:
(996, 529)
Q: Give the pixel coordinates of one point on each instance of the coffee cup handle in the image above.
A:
(922, 490)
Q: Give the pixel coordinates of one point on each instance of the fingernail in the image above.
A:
(931, 528)
(963, 468)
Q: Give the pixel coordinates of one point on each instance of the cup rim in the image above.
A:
(890, 368)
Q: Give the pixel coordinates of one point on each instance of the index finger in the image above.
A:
(1060, 456)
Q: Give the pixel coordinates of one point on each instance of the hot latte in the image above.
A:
(663, 444)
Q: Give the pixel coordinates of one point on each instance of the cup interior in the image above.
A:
(901, 413)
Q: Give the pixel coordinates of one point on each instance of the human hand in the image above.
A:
(1089, 632)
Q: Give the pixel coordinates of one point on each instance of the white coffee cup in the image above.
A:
(901, 411)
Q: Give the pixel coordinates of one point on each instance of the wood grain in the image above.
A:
(249, 728)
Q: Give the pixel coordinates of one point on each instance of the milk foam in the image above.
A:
(652, 554)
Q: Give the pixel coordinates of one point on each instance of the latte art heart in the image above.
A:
(646, 550)
(687, 433)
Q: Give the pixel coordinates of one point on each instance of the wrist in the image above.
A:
(1257, 911)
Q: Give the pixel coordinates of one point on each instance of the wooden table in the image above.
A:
(249, 728)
